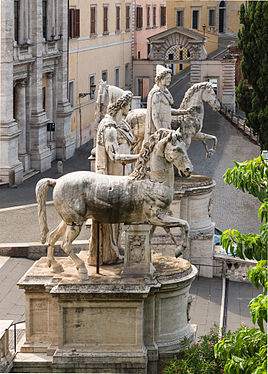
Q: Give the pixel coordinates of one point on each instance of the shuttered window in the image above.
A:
(105, 19)
(139, 17)
(127, 17)
(118, 18)
(163, 16)
(74, 23)
(92, 20)
(154, 16)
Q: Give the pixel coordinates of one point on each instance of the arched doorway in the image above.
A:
(222, 9)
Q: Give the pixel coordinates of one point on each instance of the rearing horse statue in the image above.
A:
(143, 196)
(190, 124)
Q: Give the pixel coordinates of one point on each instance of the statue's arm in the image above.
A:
(112, 148)
(155, 111)
(181, 112)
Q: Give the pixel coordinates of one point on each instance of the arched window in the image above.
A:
(222, 8)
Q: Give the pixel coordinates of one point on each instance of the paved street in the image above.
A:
(231, 209)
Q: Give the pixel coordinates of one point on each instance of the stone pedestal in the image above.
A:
(192, 202)
(108, 323)
(137, 256)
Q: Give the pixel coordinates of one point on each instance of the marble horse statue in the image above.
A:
(143, 196)
(191, 124)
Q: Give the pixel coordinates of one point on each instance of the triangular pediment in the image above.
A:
(191, 35)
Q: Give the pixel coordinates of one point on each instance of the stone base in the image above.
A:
(25, 160)
(107, 323)
(12, 175)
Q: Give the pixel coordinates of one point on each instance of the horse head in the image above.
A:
(210, 97)
(174, 150)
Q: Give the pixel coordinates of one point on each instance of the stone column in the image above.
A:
(195, 69)
(40, 153)
(65, 138)
(11, 168)
(20, 115)
(137, 258)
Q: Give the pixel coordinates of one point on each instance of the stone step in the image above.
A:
(3, 184)
(29, 173)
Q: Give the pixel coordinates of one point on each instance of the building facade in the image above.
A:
(35, 112)
(100, 47)
(150, 19)
(219, 17)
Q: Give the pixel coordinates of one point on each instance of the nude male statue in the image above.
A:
(159, 103)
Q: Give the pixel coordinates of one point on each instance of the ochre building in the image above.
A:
(100, 47)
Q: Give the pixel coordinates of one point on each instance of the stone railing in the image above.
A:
(235, 268)
(6, 356)
(239, 122)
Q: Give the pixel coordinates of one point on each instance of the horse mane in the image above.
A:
(191, 91)
(140, 170)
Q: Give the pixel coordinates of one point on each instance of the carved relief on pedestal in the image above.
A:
(136, 248)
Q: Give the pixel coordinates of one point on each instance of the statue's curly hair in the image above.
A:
(120, 103)
(162, 75)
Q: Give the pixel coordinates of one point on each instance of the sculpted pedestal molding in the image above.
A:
(107, 323)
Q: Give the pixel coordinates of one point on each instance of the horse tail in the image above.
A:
(41, 196)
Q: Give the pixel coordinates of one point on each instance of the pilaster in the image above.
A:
(11, 169)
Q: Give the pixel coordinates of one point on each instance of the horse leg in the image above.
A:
(167, 222)
(53, 237)
(203, 137)
(70, 234)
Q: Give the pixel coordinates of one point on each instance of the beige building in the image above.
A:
(100, 47)
(33, 87)
(219, 17)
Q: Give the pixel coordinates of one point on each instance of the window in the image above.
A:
(139, 17)
(93, 20)
(16, 20)
(71, 93)
(127, 75)
(211, 17)
(140, 87)
(162, 16)
(117, 77)
(44, 97)
(92, 86)
(74, 23)
(118, 18)
(104, 75)
(44, 18)
(195, 19)
(179, 18)
(127, 17)
(154, 16)
(148, 14)
(181, 54)
(148, 49)
(105, 19)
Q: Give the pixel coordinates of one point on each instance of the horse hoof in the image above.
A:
(57, 268)
(83, 274)
(178, 251)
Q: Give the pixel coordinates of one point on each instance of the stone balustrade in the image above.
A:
(236, 268)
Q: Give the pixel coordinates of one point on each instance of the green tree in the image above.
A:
(253, 41)
(245, 351)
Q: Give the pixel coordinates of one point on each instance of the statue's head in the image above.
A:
(163, 75)
(123, 103)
